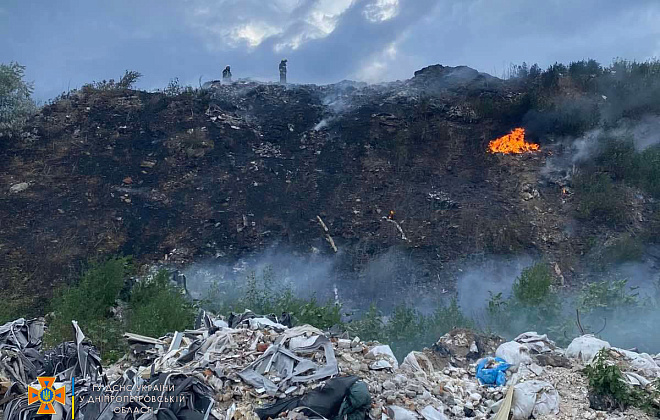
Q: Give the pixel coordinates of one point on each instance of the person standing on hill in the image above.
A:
(226, 75)
(283, 71)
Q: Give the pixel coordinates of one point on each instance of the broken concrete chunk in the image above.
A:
(399, 413)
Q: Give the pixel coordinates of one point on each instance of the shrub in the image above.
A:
(532, 303)
(619, 157)
(532, 287)
(607, 383)
(608, 391)
(607, 294)
(89, 302)
(16, 105)
(370, 326)
(14, 305)
(446, 318)
(126, 82)
(156, 307)
(648, 165)
(406, 329)
(128, 79)
(265, 295)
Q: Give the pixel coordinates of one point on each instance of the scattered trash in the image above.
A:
(251, 367)
(535, 342)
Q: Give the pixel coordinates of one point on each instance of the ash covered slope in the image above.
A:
(233, 169)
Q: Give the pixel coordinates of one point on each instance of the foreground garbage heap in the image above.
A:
(252, 367)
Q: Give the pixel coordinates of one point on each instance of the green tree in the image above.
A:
(16, 104)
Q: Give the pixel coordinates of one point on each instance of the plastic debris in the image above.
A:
(534, 398)
(492, 371)
(586, 347)
(514, 353)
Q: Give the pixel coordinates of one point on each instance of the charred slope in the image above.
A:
(233, 169)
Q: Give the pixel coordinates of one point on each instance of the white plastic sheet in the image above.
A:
(514, 353)
(586, 347)
(537, 398)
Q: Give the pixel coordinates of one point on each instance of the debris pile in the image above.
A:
(259, 367)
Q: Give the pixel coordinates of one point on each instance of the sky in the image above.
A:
(66, 43)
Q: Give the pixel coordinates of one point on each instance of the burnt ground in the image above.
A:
(233, 169)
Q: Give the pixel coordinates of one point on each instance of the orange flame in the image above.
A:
(513, 142)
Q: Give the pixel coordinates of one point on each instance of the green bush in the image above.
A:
(16, 105)
(620, 158)
(608, 389)
(89, 302)
(406, 329)
(607, 295)
(156, 307)
(370, 326)
(532, 287)
(648, 165)
(532, 303)
(14, 305)
(606, 381)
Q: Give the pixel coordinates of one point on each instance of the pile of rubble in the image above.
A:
(256, 367)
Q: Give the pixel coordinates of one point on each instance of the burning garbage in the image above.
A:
(512, 143)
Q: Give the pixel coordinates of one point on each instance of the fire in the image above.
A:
(513, 142)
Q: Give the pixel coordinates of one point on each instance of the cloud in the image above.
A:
(381, 10)
(234, 24)
(324, 40)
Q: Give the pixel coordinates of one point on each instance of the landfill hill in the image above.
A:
(229, 170)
